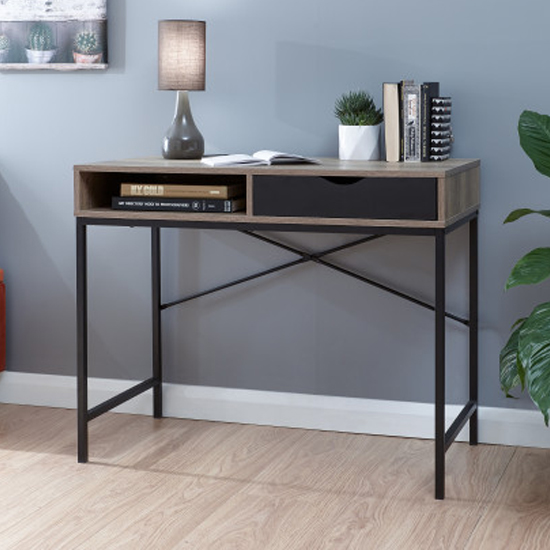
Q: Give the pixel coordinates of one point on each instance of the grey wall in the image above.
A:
(274, 71)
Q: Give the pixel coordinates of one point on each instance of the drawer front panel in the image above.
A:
(346, 197)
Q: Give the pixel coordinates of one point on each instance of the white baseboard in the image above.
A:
(342, 414)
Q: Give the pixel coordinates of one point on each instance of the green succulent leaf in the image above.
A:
(534, 355)
(520, 212)
(533, 268)
(357, 109)
(512, 373)
(534, 138)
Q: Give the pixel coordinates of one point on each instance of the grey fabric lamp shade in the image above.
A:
(182, 55)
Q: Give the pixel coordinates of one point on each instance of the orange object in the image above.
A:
(2, 322)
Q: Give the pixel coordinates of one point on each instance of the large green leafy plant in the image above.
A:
(525, 359)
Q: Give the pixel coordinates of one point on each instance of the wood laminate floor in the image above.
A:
(177, 484)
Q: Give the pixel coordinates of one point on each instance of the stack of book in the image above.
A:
(441, 134)
(417, 122)
(181, 197)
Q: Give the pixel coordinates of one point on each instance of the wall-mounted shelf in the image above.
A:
(53, 66)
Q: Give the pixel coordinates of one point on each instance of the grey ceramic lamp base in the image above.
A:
(183, 139)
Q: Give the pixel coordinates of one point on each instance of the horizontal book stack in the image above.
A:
(181, 197)
(417, 122)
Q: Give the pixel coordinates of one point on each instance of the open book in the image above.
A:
(258, 158)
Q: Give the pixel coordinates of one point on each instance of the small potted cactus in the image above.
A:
(40, 44)
(87, 48)
(5, 45)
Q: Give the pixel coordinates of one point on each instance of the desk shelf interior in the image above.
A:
(94, 190)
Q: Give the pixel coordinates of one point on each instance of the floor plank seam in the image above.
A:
(483, 511)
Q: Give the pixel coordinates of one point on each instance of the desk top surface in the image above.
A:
(326, 166)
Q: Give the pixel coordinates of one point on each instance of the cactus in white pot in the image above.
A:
(40, 43)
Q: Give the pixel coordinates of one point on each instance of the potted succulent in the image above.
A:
(87, 48)
(5, 45)
(525, 359)
(359, 130)
(40, 44)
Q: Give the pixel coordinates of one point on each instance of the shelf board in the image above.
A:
(53, 66)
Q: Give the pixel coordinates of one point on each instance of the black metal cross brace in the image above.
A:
(317, 257)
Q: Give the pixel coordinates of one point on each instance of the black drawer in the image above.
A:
(346, 197)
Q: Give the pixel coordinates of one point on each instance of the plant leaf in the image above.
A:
(534, 138)
(534, 355)
(518, 323)
(512, 373)
(538, 381)
(520, 212)
(533, 268)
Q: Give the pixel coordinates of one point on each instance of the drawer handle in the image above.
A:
(339, 180)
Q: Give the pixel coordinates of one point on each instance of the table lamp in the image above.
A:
(182, 63)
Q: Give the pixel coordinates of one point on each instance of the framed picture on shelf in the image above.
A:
(60, 35)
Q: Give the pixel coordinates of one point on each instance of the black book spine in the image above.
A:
(427, 91)
(174, 205)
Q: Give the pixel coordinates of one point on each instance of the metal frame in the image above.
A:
(443, 438)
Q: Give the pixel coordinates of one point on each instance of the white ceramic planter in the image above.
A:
(359, 142)
(40, 57)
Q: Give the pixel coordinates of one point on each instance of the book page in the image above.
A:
(276, 157)
(228, 160)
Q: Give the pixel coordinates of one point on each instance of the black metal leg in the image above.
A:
(443, 439)
(440, 365)
(156, 304)
(473, 328)
(82, 341)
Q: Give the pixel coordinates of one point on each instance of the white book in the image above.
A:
(391, 120)
(263, 157)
